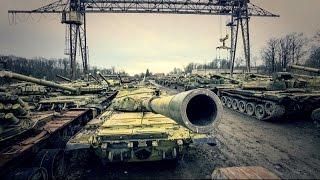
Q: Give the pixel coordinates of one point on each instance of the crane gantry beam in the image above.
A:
(239, 10)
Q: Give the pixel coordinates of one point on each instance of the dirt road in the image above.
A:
(290, 149)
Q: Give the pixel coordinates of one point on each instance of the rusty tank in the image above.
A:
(31, 142)
(145, 124)
(75, 94)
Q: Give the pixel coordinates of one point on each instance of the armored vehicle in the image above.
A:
(272, 98)
(313, 79)
(73, 95)
(30, 141)
(313, 83)
(144, 125)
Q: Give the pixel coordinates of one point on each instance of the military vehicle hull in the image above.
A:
(35, 152)
(271, 105)
(140, 126)
(136, 137)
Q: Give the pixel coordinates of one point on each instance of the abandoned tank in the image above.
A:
(144, 125)
(271, 98)
(31, 142)
(31, 138)
(69, 95)
(313, 82)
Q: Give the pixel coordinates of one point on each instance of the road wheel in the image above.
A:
(229, 102)
(224, 100)
(260, 112)
(270, 108)
(242, 106)
(53, 161)
(235, 104)
(250, 108)
(28, 173)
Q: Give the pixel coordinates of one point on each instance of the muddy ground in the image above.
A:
(289, 148)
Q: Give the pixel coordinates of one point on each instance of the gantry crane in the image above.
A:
(73, 13)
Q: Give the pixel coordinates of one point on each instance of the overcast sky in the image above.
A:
(135, 42)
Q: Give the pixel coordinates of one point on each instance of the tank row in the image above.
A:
(44, 125)
(264, 97)
(38, 117)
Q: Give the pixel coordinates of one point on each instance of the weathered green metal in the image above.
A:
(273, 98)
(21, 77)
(144, 124)
(64, 78)
(195, 109)
(94, 78)
(104, 78)
(304, 68)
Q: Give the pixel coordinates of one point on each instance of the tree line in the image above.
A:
(293, 48)
(45, 68)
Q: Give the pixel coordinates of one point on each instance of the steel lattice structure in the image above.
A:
(74, 15)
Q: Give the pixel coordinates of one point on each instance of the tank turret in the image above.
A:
(74, 90)
(146, 124)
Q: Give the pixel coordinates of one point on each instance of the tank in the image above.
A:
(313, 80)
(31, 142)
(64, 78)
(145, 124)
(211, 81)
(304, 68)
(76, 94)
(272, 98)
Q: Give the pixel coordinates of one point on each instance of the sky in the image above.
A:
(135, 42)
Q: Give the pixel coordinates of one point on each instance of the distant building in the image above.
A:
(221, 71)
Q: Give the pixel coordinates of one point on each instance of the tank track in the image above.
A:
(255, 107)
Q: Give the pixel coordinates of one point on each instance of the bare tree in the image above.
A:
(297, 47)
(269, 54)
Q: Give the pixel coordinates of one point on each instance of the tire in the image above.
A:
(260, 112)
(28, 173)
(53, 161)
(224, 100)
(229, 102)
(242, 106)
(270, 108)
(250, 108)
(235, 104)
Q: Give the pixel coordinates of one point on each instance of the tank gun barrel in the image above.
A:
(42, 82)
(105, 79)
(94, 78)
(64, 78)
(198, 110)
(303, 68)
(229, 78)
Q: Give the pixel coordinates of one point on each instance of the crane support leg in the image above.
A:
(73, 34)
(234, 39)
(246, 42)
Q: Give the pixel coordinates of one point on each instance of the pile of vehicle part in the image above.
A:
(143, 125)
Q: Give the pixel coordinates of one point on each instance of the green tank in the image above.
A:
(75, 94)
(313, 80)
(144, 125)
(272, 98)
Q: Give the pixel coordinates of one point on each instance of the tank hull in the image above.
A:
(271, 105)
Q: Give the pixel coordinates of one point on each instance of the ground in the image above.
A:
(290, 149)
